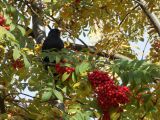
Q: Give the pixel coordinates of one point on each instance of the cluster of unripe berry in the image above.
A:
(2, 23)
(109, 95)
(62, 69)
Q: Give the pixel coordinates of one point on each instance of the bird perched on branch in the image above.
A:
(52, 42)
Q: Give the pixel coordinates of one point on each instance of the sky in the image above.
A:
(139, 46)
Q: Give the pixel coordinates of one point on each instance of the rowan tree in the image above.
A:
(102, 80)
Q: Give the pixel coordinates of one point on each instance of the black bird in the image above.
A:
(52, 42)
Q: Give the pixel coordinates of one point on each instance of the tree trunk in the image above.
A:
(37, 22)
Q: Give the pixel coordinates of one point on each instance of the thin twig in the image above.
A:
(21, 94)
(128, 14)
(20, 107)
(30, 7)
(144, 49)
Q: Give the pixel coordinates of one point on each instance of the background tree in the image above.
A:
(75, 93)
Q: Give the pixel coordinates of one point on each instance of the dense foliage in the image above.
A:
(83, 84)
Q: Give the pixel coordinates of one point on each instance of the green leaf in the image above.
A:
(74, 77)
(65, 76)
(146, 97)
(143, 90)
(58, 59)
(84, 66)
(67, 65)
(26, 62)
(51, 57)
(4, 116)
(77, 70)
(22, 30)
(16, 53)
(73, 108)
(12, 26)
(124, 78)
(46, 95)
(64, 89)
(153, 109)
(13, 9)
(58, 95)
(47, 0)
(3, 32)
(77, 84)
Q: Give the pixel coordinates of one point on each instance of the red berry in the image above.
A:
(62, 69)
(18, 64)
(109, 95)
(2, 21)
(7, 27)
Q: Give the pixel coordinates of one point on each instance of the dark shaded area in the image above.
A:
(53, 42)
(2, 105)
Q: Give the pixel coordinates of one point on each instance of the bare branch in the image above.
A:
(92, 50)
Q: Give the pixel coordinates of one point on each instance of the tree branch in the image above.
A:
(92, 50)
(21, 107)
(144, 49)
(37, 20)
(128, 14)
(151, 16)
(21, 94)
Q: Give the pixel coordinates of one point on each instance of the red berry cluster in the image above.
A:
(62, 69)
(109, 95)
(97, 78)
(2, 23)
(17, 64)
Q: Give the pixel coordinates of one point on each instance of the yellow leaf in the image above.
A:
(66, 44)
(2, 49)
(77, 84)
(38, 48)
(126, 46)
(28, 51)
